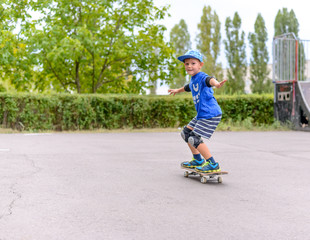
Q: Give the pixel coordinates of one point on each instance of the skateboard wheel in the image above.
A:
(203, 180)
(219, 179)
(186, 174)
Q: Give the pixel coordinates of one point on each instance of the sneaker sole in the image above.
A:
(190, 167)
(209, 171)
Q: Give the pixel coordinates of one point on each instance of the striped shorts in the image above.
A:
(205, 127)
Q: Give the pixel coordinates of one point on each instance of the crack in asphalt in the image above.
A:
(17, 197)
(13, 188)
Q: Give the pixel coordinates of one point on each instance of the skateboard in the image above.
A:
(204, 177)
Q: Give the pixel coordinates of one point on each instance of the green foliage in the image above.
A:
(208, 41)
(235, 54)
(92, 111)
(180, 38)
(181, 43)
(286, 22)
(116, 46)
(241, 107)
(93, 46)
(13, 69)
(2, 88)
(259, 72)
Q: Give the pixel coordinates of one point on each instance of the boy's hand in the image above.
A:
(220, 84)
(173, 91)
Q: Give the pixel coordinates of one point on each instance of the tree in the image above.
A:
(180, 38)
(14, 70)
(181, 43)
(286, 22)
(259, 61)
(94, 46)
(235, 54)
(208, 41)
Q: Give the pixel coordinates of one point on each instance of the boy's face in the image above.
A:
(192, 66)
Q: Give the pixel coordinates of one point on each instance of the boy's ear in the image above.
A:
(201, 64)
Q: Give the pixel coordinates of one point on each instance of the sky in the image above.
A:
(191, 12)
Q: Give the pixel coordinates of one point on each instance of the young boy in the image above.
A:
(208, 116)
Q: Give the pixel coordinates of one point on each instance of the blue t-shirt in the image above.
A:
(205, 103)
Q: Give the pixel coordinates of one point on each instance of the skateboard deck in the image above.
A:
(204, 177)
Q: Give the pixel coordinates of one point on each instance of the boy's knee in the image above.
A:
(185, 134)
(194, 140)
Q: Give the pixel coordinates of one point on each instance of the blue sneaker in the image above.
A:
(193, 163)
(208, 167)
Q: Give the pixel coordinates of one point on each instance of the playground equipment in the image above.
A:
(291, 78)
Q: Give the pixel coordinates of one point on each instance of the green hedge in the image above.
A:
(73, 112)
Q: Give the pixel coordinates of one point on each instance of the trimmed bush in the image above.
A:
(78, 112)
(241, 107)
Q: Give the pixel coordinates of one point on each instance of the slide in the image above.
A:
(303, 92)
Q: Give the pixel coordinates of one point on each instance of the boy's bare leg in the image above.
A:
(204, 151)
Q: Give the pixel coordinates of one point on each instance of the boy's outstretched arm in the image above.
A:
(215, 83)
(175, 91)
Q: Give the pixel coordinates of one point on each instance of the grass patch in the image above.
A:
(121, 130)
(245, 125)
(249, 125)
(8, 130)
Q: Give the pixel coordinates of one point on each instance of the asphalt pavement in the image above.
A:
(93, 186)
